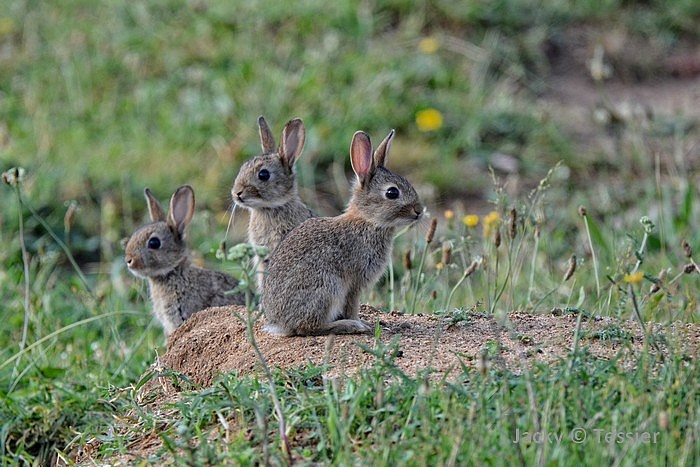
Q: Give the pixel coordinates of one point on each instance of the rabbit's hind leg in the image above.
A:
(352, 308)
(346, 326)
(306, 312)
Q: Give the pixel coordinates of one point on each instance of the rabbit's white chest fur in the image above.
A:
(268, 226)
(171, 302)
(168, 317)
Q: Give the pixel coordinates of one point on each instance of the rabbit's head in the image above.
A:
(157, 248)
(267, 180)
(380, 196)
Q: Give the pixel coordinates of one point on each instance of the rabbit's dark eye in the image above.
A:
(264, 175)
(154, 243)
(392, 193)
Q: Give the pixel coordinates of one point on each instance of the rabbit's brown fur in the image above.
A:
(317, 273)
(266, 186)
(158, 252)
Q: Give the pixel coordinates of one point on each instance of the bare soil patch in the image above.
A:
(214, 341)
(645, 81)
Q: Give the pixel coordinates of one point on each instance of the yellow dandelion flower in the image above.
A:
(428, 119)
(449, 214)
(490, 221)
(634, 278)
(428, 45)
(471, 220)
(439, 266)
(492, 217)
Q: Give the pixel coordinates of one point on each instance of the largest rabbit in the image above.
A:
(266, 186)
(317, 273)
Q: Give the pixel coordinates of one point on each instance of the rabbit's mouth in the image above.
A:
(407, 218)
(143, 272)
(414, 214)
(249, 203)
(252, 202)
(246, 200)
(240, 201)
(135, 268)
(137, 273)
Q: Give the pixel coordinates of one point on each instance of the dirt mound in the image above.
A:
(214, 341)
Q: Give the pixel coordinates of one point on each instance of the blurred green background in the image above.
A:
(99, 99)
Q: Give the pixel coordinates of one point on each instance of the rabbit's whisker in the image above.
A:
(230, 220)
(422, 225)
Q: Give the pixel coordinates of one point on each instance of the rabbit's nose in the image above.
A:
(418, 210)
(129, 261)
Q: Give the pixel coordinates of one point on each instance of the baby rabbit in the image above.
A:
(158, 252)
(266, 186)
(317, 273)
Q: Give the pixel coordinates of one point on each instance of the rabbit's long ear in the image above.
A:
(383, 150)
(361, 157)
(181, 209)
(267, 141)
(293, 138)
(154, 208)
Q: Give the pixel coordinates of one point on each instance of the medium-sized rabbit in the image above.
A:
(317, 273)
(159, 253)
(266, 186)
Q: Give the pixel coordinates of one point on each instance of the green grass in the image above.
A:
(100, 99)
(470, 421)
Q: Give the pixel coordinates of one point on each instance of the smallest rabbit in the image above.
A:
(159, 253)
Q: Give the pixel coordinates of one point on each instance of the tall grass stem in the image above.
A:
(250, 334)
(25, 266)
(65, 249)
(533, 266)
(593, 256)
(419, 273)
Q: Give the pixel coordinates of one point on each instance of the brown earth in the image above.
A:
(645, 86)
(214, 341)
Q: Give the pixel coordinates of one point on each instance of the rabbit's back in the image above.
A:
(209, 288)
(323, 256)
